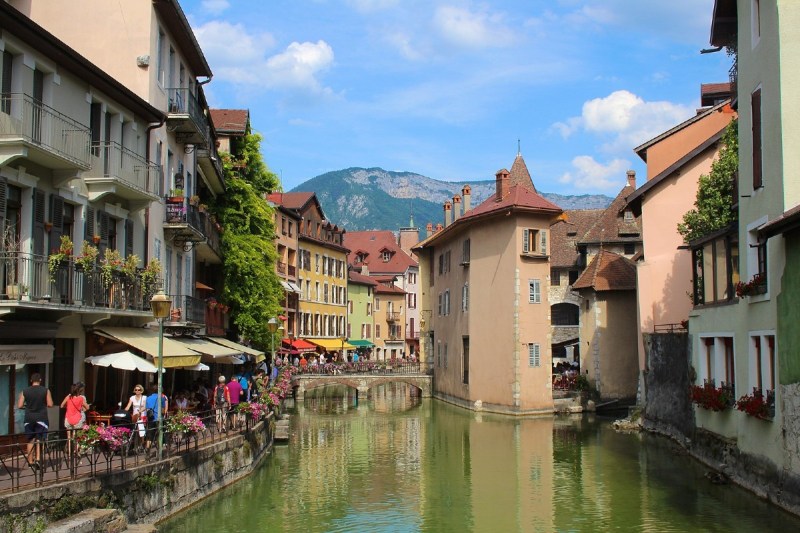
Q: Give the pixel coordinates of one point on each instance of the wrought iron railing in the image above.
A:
(187, 309)
(179, 212)
(183, 102)
(397, 366)
(110, 159)
(27, 277)
(60, 459)
(24, 116)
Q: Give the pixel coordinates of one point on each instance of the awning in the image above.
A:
(175, 354)
(294, 287)
(123, 361)
(361, 343)
(25, 354)
(202, 286)
(213, 352)
(257, 354)
(332, 344)
(290, 287)
(300, 345)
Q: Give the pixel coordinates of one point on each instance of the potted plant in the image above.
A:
(757, 405)
(194, 200)
(88, 258)
(712, 398)
(23, 293)
(757, 285)
(57, 259)
(150, 277)
(110, 264)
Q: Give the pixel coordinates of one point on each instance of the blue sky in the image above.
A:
(445, 88)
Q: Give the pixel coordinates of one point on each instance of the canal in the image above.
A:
(398, 463)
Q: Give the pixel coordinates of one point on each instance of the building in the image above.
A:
(231, 126)
(675, 161)
(380, 252)
(733, 327)
(484, 299)
(360, 316)
(321, 273)
(389, 311)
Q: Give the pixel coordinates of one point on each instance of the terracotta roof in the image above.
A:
(789, 220)
(612, 226)
(608, 272)
(641, 150)
(388, 289)
(230, 121)
(291, 200)
(520, 175)
(374, 243)
(519, 197)
(566, 232)
(360, 279)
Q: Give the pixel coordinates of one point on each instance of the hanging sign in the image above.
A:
(25, 354)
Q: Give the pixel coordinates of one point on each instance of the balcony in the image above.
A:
(189, 228)
(209, 162)
(26, 282)
(185, 117)
(29, 129)
(392, 316)
(186, 311)
(122, 172)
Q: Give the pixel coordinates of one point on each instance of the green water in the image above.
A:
(396, 463)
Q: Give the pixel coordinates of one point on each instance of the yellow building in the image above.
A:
(321, 273)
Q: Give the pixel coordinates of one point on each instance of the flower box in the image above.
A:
(757, 405)
(713, 398)
(757, 285)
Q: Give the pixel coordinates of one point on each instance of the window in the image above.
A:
(316, 290)
(350, 306)
(412, 301)
(573, 276)
(465, 360)
(447, 302)
(628, 216)
(755, 21)
(377, 331)
(717, 360)
(5, 87)
(377, 304)
(465, 251)
(533, 355)
(755, 108)
(555, 277)
(386, 256)
(534, 241)
(445, 355)
(564, 314)
(534, 292)
(369, 309)
(762, 362)
(716, 270)
(629, 248)
(316, 263)
(160, 56)
(465, 297)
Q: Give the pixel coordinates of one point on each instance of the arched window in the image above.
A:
(564, 314)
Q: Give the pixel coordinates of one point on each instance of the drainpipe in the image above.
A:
(150, 127)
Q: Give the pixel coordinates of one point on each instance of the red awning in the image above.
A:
(299, 345)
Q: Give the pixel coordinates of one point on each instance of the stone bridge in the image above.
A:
(361, 382)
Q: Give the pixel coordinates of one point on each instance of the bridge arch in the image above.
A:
(360, 382)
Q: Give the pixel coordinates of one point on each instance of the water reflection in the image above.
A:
(395, 462)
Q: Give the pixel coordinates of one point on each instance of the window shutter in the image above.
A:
(5, 106)
(3, 202)
(39, 203)
(103, 223)
(128, 237)
(755, 105)
(57, 219)
(544, 242)
(525, 238)
(88, 232)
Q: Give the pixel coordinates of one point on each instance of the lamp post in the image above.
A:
(272, 326)
(160, 304)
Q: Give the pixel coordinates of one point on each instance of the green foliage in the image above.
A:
(68, 506)
(713, 209)
(252, 289)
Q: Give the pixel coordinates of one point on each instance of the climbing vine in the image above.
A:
(713, 208)
(248, 242)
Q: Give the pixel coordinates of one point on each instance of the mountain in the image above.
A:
(372, 198)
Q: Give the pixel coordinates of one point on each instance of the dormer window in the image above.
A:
(386, 256)
(628, 215)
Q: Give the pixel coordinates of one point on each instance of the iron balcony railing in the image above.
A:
(180, 213)
(24, 117)
(392, 316)
(27, 277)
(112, 160)
(183, 102)
(187, 309)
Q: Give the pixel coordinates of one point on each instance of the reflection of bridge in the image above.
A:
(363, 380)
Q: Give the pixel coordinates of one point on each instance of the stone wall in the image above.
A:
(668, 407)
(151, 492)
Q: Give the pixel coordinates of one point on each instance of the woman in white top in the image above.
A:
(137, 402)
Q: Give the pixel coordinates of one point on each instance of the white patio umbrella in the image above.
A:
(123, 361)
(198, 367)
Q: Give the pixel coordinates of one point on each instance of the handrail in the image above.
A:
(110, 159)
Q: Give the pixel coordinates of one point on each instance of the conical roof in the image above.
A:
(520, 175)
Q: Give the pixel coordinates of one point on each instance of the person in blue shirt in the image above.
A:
(151, 406)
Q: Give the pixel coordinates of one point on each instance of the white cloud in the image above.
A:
(298, 66)
(625, 119)
(369, 6)
(215, 6)
(589, 174)
(402, 43)
(226, 44)
(471, 29)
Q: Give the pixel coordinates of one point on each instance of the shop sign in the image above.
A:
(25, 354)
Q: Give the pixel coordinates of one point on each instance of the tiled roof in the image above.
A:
(565, 234)
(291, 200)
(519, 197)
(612, 226)
(713, 88)
(388, 289)
(608, 272)
(519, 174)
(230, 121)
(359, 278)
(373, 243)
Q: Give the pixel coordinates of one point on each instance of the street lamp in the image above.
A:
(272, 326)
(160, 304)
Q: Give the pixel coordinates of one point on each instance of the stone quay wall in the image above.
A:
(148, 493)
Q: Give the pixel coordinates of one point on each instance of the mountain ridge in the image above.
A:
(360, 199)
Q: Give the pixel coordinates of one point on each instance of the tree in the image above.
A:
(248, 241)
(713, 208)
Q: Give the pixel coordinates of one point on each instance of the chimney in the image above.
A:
(448, 214)
(456, 207)
(501, 184)
(632, 178)
(438, 228)
(466, 192)
(428, 230)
